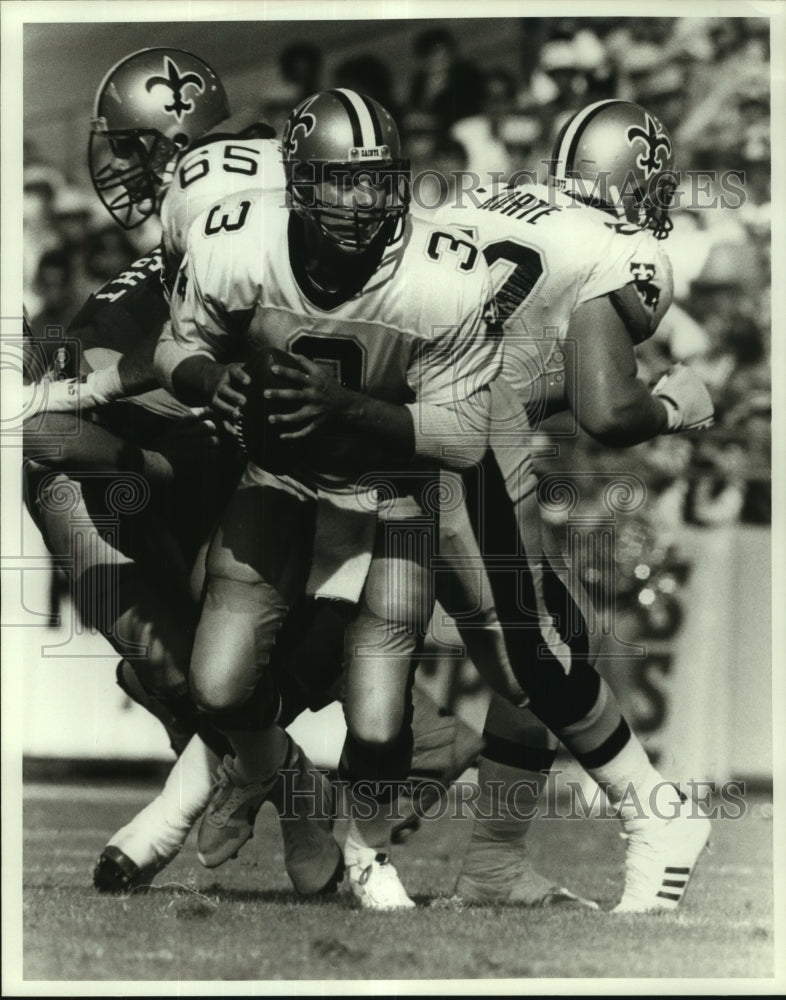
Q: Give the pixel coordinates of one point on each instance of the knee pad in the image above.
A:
(444, 745)
(518, 726)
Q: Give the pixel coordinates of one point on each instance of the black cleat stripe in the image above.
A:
(670, 895)
(674, 883)
(677, 871)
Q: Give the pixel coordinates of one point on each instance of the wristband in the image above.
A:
(673, 418)
(96, 388)
(73, 394)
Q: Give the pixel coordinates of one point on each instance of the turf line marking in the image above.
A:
(52, 832)
(740, 869)
(45, 793)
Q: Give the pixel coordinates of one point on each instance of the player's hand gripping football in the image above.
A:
(687, 401)
(315, 394)
(228, 397)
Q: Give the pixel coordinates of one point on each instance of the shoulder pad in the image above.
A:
(642, 303)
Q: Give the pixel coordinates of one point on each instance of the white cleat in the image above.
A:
(375, 884)
(660, 860)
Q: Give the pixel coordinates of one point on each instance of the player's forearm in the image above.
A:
(382, 431)
(186, 366)
(136, 367)
(626, 419)
(195, 379)
(377, 432)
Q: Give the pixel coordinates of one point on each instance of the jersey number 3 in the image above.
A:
(229, 222)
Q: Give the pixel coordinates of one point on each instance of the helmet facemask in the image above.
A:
(129, 170)
(646, 207)
(351, 205)
(654, 206)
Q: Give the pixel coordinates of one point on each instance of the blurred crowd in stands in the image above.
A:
(707, 79)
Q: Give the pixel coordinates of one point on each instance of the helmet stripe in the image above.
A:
(357, 134)
(359, 115)
(374, 119)
(569, 145)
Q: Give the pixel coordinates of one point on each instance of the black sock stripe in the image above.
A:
(357, 132)
(512, 754)
(374, 119)
(608, 750)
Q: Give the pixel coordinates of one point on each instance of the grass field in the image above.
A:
(243, 921)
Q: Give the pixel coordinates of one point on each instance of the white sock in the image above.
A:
(159, 830)
(633, 785)
(187, 789)
(364, 840)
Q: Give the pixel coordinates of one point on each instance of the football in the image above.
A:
(259, 438)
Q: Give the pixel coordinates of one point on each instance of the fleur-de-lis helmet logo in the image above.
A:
(177, 85)
(654, 141)
(299, 121)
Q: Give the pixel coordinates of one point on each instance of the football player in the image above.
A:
(151, 107)
(580, 279)
(343, 278)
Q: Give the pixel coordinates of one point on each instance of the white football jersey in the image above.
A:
(548, 254)
(212, 169)
(415, 329)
